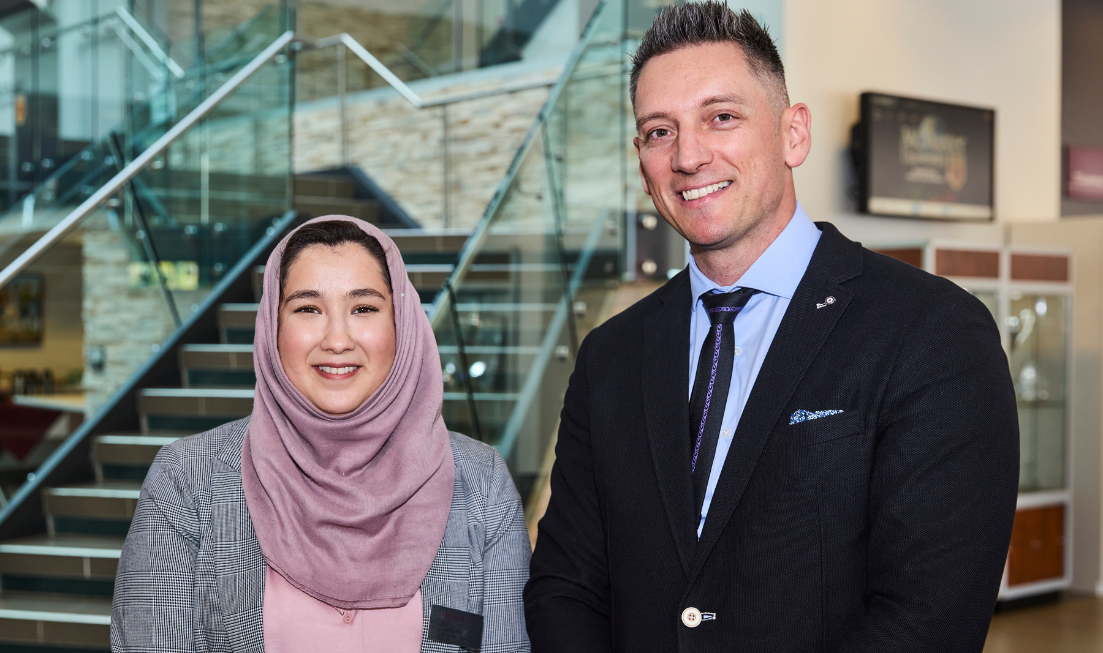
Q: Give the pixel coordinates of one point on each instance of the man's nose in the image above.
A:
(690, 152)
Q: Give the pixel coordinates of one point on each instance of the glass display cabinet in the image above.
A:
(1029, 292)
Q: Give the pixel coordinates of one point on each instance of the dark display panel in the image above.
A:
(924, 159)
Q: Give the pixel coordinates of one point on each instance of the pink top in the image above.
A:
(295, 622)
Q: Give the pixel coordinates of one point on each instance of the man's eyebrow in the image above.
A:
(302, 294)
(366, 292)
(649, 117)
(727, 98)
(716, 99)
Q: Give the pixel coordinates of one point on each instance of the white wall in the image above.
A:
(1003, 54)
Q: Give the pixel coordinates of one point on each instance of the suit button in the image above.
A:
(691, 617)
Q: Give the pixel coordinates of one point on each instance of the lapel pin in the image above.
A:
(827, 302)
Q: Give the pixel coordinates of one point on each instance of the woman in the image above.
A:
(341, 515)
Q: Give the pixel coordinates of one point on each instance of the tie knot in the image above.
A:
(724, 307)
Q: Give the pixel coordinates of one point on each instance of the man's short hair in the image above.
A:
(698, 23)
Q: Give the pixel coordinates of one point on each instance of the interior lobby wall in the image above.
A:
(1004, 55)
(1082, 86)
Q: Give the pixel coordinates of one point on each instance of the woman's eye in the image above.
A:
(360, 310)
(306, 309)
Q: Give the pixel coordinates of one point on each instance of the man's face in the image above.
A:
(711, 148)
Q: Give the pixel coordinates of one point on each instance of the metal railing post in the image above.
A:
(342, 102)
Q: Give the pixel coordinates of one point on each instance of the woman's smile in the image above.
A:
(337, 372)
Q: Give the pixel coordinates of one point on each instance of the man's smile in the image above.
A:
(697, 193)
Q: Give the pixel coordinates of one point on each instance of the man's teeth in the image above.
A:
(698, 193)
(337, 370)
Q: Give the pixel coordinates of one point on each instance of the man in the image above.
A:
(794, 445)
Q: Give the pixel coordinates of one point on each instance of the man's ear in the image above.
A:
(796, 134)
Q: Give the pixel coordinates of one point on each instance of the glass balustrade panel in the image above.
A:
(549, 235)
(94, 307)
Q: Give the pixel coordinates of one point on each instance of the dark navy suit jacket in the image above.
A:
(881, 528)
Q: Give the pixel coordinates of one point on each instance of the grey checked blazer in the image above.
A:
(191, 576)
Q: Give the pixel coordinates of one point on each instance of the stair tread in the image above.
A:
(220, 393)
(111, 489)
(301, 198)
(64, 608)
(219, 348)
(65, 544)
(139, 439)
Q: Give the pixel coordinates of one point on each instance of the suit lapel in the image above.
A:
(799, 338)
(666, 408)
(239, 563)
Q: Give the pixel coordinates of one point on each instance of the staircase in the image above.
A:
(57, 587)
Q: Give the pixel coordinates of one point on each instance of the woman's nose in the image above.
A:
(337, 338)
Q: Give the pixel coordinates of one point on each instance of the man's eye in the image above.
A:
(659, 133)
(724, 117)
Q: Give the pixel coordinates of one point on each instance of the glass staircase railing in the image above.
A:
(427, 38)
(167, 98)
(138, 241)
(537, 265)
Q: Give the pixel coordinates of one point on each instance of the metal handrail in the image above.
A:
(150, 42)
(403, 89)
(117, 182)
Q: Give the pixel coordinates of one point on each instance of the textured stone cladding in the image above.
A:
(403, 148)
(124, 322)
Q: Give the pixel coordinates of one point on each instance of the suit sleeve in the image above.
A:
(943, 487)
(567, 598)
(153, 607)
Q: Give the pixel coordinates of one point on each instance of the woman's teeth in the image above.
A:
(337, 370)
(698, 193)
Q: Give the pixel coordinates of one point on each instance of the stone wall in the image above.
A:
(123, 326)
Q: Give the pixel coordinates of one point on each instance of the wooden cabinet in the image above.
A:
(1037, 550)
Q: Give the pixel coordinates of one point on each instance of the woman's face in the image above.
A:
(336, 329)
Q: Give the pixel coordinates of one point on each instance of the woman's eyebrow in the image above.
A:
(302, 294)
(366, 292)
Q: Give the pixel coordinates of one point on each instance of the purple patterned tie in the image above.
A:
(710, 385)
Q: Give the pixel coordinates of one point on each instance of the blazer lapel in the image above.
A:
(666, 408)
(799, 338)
(239, 563)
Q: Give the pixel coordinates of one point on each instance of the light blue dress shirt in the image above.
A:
(776, 273)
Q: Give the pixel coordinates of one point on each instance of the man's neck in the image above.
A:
(725, 265)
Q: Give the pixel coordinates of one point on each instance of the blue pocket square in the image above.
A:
(806, 415)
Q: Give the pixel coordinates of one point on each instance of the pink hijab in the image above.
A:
(350, 509)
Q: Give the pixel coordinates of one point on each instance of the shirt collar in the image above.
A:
(778, 270)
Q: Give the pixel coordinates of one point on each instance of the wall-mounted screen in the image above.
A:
(923, 159)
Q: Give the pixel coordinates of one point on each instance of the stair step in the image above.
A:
(325, 185)
(55, 620)
(130, 449)
(367, 210)
(65, 556)
(234, 319)
(106, 500)
(206, 402)
(218, 357)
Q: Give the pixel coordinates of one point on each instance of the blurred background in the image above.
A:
(152, 152)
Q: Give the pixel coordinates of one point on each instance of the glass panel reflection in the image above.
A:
(1038, 326)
